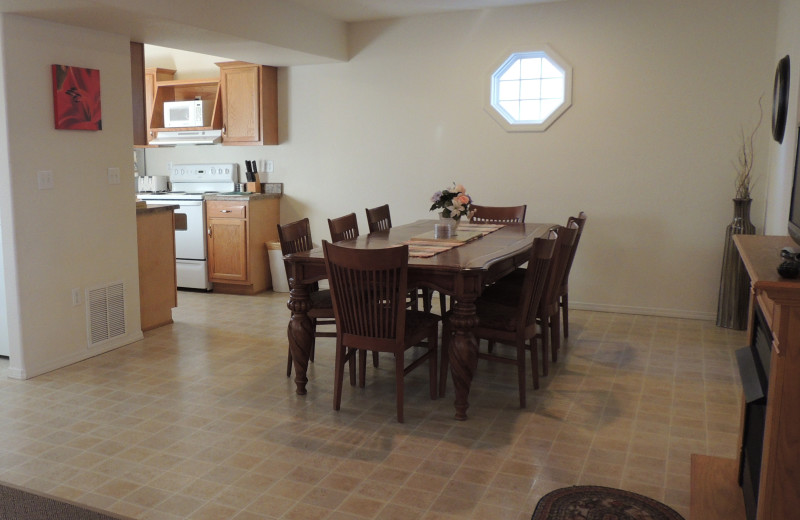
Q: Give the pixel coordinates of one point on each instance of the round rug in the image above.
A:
(600, 503)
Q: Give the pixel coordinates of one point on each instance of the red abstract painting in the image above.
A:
(76, 98)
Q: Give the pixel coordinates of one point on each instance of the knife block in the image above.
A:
(254, 187)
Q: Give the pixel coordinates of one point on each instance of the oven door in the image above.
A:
(190, 243)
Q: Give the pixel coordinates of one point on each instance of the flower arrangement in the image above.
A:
(454, 202)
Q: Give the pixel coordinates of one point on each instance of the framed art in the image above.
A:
(76, 98)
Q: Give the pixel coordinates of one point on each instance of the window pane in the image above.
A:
(549, 70)
(529, 111)
(511, 73)
(508, 90)
(531, 68)
(553, 89)
(549, 106)
(530, 89)
(511, 107)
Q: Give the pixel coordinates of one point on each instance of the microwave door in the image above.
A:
(179, 114)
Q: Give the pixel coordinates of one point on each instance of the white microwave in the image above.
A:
(181, 114)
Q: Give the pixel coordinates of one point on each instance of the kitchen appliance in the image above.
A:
(182, 114)
(189, 185)
(152, 183)
(177, 137)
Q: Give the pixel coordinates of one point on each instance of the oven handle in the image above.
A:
(189, 202)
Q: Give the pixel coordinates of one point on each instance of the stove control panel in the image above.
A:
(213, 172)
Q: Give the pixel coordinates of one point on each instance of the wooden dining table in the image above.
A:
(461, 272)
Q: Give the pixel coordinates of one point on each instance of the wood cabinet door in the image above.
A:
(227, 250)
(241, 110)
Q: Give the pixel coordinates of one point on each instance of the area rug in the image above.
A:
(600, 503)
(18, 503)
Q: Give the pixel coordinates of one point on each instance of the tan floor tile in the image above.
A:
(199, 420)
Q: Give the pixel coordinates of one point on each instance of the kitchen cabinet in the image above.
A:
(238, 231)
(249, 95)
(184, 90)
(158, 294)
(152, 75)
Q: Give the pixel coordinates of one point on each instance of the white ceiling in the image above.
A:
(366, 10)
(270, 32)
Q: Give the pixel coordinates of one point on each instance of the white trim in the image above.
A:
(644, 311)
(55, 364)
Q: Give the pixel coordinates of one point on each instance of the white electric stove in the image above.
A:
(189, 183)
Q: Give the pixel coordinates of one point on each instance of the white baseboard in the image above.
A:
(29, 372)
(645, 311)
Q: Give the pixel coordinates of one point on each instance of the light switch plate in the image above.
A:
(45, 180)
(270, 166)
(113, 176)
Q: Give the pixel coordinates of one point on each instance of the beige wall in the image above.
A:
(661, 92)
(82, 233)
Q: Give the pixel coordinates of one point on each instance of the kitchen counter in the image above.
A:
(158, 291)
(156, 208)
(271, 190)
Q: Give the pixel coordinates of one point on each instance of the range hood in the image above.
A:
(187, 137)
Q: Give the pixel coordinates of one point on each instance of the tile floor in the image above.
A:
(199, 421)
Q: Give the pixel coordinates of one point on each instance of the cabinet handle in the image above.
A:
(224, 131)
(209, 231)
(224, 211)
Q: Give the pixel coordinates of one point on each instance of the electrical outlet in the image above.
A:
(270, 167)
(76, 296)
(113, 176)
(45, 180)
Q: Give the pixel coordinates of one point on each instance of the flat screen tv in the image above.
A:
(794, 205)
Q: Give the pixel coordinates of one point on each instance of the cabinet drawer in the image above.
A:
(217, 209)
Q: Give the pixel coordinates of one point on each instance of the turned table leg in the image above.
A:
(300, 332)
(463, 353)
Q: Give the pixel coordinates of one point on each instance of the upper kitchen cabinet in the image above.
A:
(152, 75)
(249, 96)
(185, 90)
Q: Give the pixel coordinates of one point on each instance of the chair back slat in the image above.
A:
(536, 279)
(379, 219)
(343, 228)
(368, 289)
(498, 214)
(564, 242)
(580, 220)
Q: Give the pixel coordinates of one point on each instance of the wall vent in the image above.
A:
(105, 312)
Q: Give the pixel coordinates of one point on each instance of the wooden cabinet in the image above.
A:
(184, 90)
(249, 103)
(152, 75)
(158, 294)
(238, 232)
(777, 300)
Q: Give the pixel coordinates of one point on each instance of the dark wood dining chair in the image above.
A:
(563, 291)
(512, 322)
(295, 237)
(497, 214)
(368, 289)
(343, 228)
(507, 290)
(379, 219)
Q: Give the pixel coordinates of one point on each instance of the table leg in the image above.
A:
(463, 353)
(300, 332)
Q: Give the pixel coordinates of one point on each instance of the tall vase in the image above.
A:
(734, 283)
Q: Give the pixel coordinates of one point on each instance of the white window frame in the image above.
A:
(492, 105)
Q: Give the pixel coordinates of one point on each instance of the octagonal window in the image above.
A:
(530, 90)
